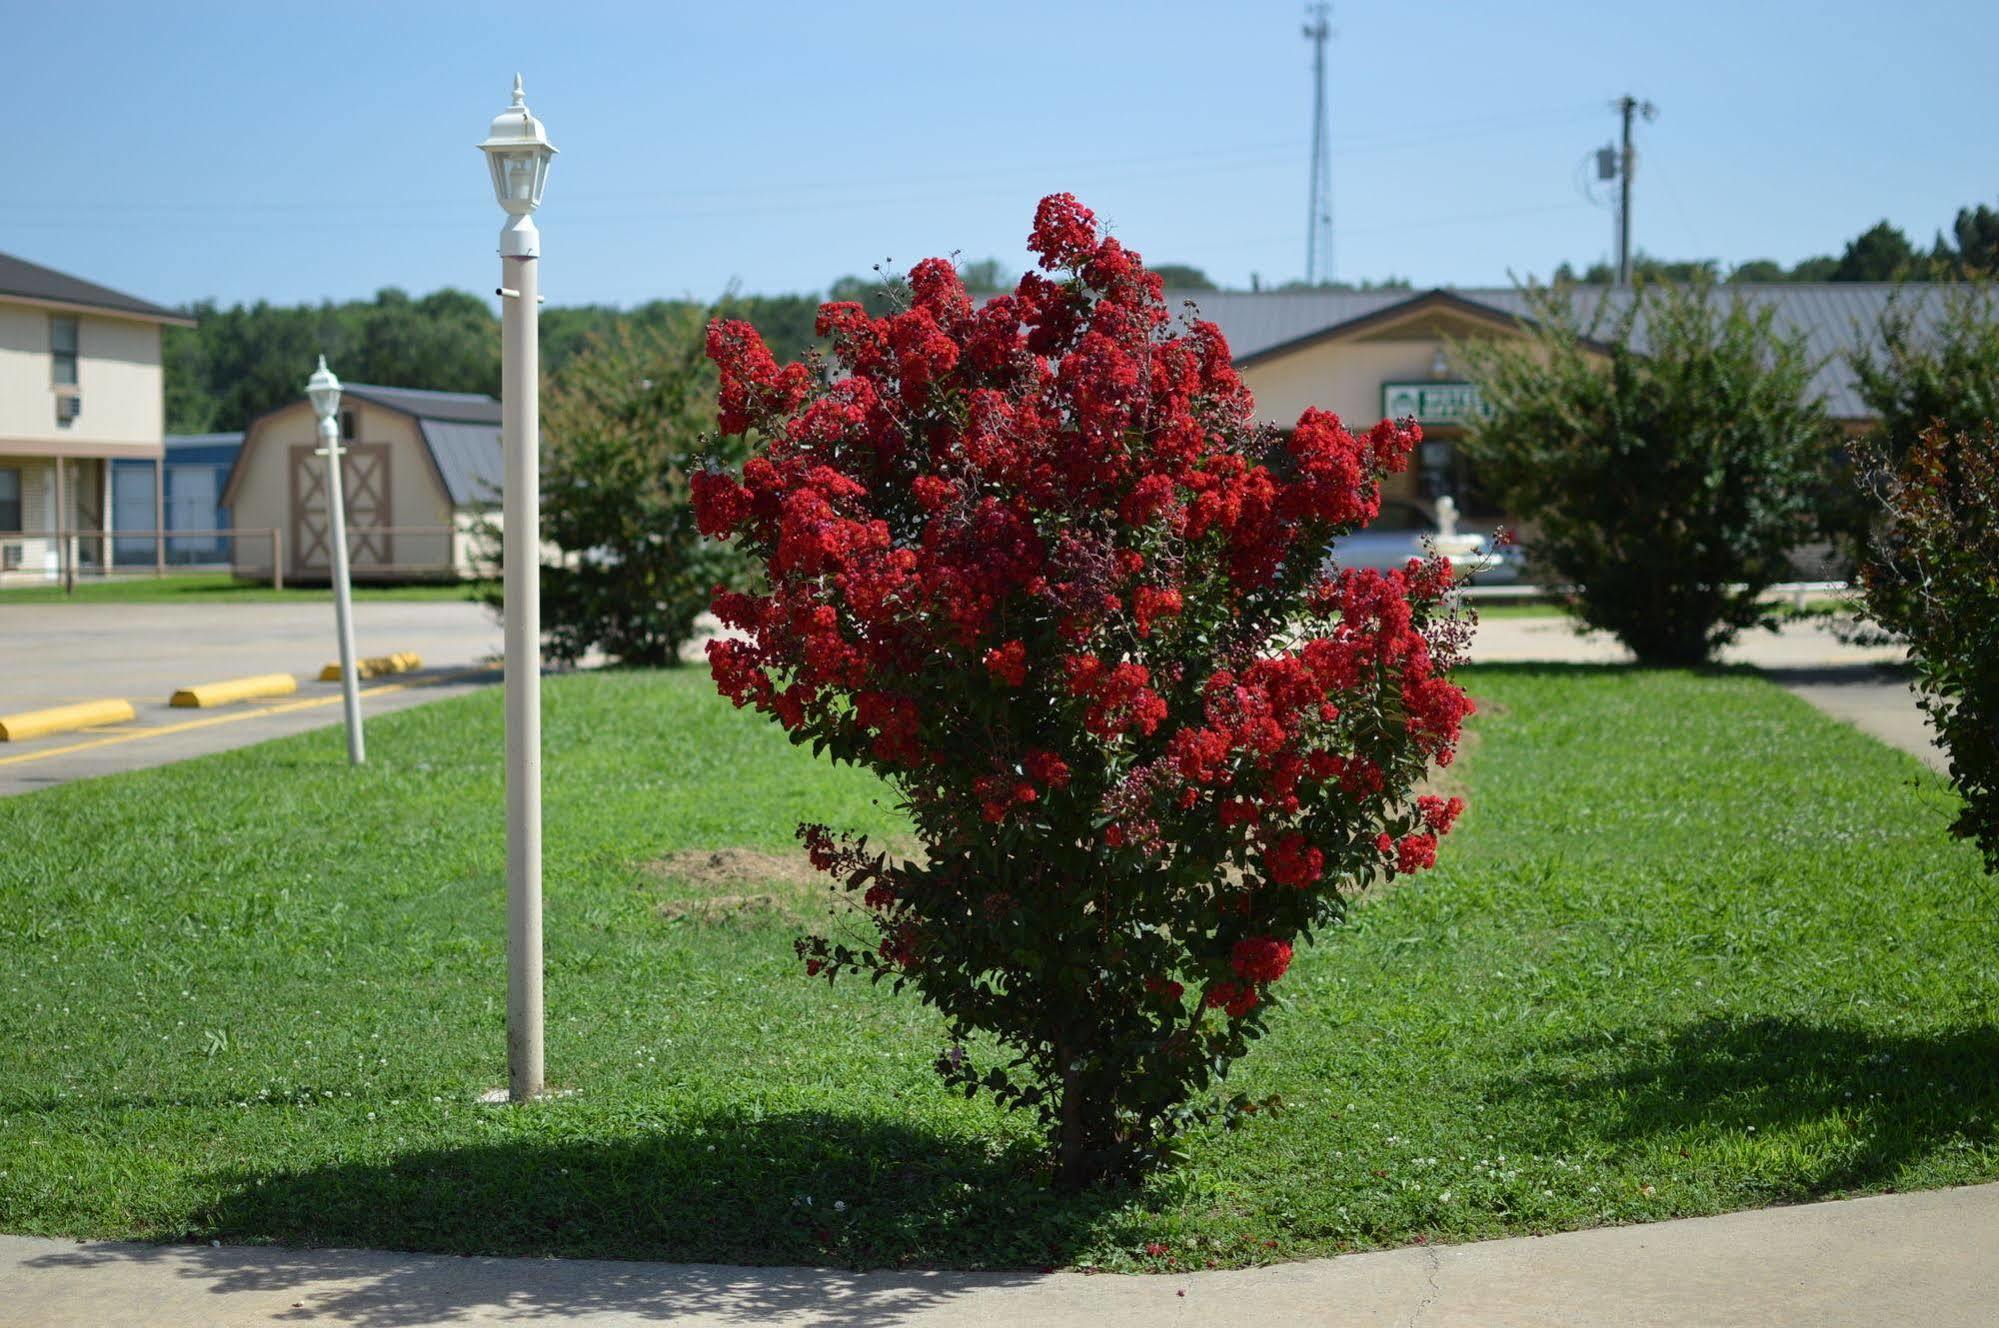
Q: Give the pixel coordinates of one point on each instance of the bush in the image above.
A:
(1667, 452)
(1035, 564)
(620, 422)
(1930, 372)
(1930, 579)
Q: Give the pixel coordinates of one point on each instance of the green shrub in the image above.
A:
(1929, 374)
(1932, 577)
(620, 422)
(1926, 374)
(1665, 451)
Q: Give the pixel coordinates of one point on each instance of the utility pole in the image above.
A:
(1319, 215)
(1627, 106)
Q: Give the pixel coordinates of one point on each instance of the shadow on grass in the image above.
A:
(1863, 673)
(1864, 1105)
(813, 1191)
(1550, 668)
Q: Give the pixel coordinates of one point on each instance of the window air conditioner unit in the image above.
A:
(68, 406)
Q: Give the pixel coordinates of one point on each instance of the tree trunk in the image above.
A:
(1072, 1168)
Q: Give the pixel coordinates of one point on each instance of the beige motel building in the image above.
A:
(80, 388)
(1373, 354)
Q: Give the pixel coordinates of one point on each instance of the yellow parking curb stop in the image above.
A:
(234, 689)
(62, 719)
(376, 666)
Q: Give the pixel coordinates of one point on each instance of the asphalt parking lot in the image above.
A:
(57, 654)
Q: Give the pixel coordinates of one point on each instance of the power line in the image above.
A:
(1178, 163)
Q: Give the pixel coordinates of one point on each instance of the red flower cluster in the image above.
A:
(1035, 562)
(1415, 852)
(1440, 815)
(1235, 998)
(1260, 958)
(1120, 695)
(1294, 862)
(1008, 663)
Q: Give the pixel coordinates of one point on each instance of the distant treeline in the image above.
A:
(238, 362)
(241, 361)
(1880, 253)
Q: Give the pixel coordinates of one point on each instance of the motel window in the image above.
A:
(10, 498)
(62, 350)
(347, 425)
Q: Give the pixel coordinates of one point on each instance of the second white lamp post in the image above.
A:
(518, 152)
(323, 390)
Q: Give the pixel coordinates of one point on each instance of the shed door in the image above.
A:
(365, 476)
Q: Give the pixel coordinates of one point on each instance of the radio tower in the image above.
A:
(1319, 221)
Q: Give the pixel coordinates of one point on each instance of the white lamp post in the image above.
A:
(518, 151)
(323, 390)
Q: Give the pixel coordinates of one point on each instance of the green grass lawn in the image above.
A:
(1506, 608)
(1695, 948)
(215, 588)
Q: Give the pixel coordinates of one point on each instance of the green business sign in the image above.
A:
(1433, 403)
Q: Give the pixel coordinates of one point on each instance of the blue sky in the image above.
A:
(288, 152)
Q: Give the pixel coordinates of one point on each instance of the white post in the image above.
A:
(343, 608)
(107, 524)
(517, 153)
(160, 514)
(521, 432)
(64, 564)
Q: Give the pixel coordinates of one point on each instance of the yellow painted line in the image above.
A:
(237, 717)
(63, 719)
(376, 666)
(204, 695)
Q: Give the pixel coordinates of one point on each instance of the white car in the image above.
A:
(1406, 530)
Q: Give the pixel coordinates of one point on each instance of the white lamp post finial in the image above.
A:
(518, 153)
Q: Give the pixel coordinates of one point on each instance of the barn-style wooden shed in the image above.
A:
(422, 472)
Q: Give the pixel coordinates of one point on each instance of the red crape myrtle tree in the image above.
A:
(1034, 563)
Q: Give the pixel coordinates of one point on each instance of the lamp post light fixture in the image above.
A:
(323, 391)
(518, 152)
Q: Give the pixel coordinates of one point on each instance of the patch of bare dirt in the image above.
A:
(718, 869)
(722, 885)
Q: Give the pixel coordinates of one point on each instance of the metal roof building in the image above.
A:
(461, 430)
(1836, 318)
(422, 471)
(1370, 354)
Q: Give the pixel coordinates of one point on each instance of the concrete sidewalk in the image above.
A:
(1874, 700)
(1552, 638)
(1907, 1258)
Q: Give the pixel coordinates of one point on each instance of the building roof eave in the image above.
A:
(22, 282)
(1436, 298)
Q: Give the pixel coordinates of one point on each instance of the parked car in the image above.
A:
(1406, 530)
